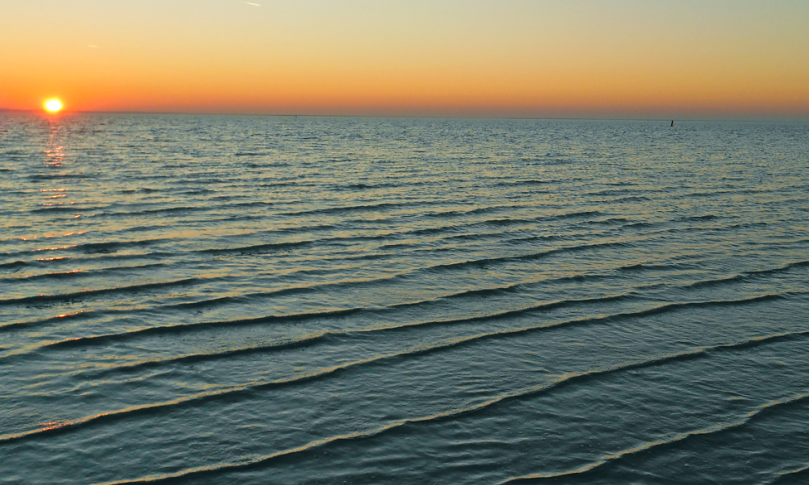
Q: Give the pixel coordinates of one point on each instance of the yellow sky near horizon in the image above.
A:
(444, 57)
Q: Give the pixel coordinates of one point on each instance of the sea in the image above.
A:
(310, 300)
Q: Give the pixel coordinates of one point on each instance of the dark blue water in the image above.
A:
(261, 300)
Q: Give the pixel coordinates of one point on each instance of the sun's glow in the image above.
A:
(53, 105)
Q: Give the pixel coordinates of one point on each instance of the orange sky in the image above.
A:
(713, 58)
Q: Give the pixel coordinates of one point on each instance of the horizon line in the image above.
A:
(743, 118)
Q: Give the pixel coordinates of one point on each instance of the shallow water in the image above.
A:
(253, 300)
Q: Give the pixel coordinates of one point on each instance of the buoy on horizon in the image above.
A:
(672, 122)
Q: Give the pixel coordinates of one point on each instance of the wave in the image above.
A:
(797, 476)
(80, 315)
(748, 275)
(639, 224)
(428, 231)
(274, 319)
(302, 342)
(261, 203)
(327, 335)
(259, 248)
(226, 300)
(705, 217)
(252, 154)
(367, 186)
(484, 292)
(180, 328)
(81, 295)
(355, 208)
(631, 198)
(309, 289)
(14, 264)
(169, 210)
(577, 214)
(80, 273)
(161, 211)
(268, 460)
(652, 267)
(451, 228)
(50, 176)
(527, 182)
(781, 269)
(621, 191)
(716, 281)
(503, 222)
(60, 207)
(513, 221)
(118, 257)
(428, 349)
(702, 304)
(612, 220)
(475, 211)
(585, 472)
(113, 246)
(483, 262)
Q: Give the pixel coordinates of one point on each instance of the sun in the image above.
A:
(53, 105)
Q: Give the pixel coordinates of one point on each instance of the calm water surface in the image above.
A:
(255, 300)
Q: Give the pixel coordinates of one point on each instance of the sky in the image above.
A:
(531, 58)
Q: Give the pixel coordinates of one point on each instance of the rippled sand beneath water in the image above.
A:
(262, 300)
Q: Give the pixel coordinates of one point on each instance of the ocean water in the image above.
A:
(254, 300)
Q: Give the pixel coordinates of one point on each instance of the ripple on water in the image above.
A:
(327, 300)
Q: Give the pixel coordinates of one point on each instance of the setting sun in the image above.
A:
(53, 105)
